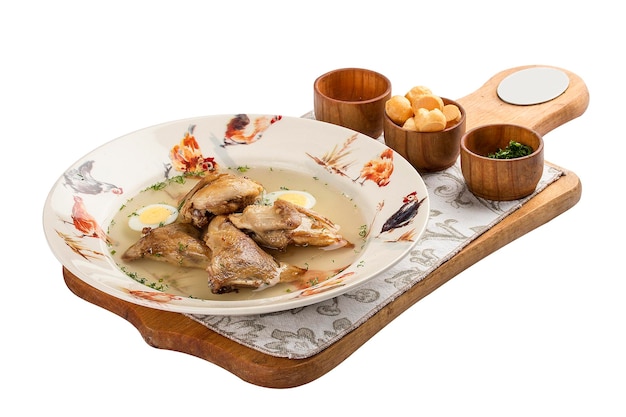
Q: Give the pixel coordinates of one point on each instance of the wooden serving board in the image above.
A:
(176, 332)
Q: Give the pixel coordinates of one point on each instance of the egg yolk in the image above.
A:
(294, 198)
(154, 215)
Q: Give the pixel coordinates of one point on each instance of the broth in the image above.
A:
(190, 282)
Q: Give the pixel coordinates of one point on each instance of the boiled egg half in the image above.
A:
(300, 198)
(153, 215)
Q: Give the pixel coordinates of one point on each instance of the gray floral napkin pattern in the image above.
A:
(457, 217)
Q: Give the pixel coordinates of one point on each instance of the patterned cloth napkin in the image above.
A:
(457, 217)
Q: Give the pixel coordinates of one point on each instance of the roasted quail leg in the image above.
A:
(177, 243)
(285, 223)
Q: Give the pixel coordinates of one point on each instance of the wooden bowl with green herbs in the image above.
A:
(502, 162)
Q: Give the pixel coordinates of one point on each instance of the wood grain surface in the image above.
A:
(176, 332)
(485, 107)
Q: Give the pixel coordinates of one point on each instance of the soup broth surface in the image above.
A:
(192, 282)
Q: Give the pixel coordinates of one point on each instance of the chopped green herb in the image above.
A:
(154, 285)
(513, 150)
(179, 179)
(157, 186)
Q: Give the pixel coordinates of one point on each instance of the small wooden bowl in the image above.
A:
(501, 179)
(352, 97)
(427, 151)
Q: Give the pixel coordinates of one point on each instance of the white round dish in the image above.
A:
(94, 189)
(533, 86)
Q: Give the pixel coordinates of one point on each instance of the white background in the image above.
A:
(545, 338)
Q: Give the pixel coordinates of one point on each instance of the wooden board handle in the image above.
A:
(485, 107)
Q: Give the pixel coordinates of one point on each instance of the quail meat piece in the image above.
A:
(177, 243)
(285, 223)
(218, 193)
(238, 262)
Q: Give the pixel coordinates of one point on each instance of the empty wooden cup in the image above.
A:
(427, 151)
(352, 97)
(501, 179)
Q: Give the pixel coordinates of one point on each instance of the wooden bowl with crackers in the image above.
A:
(425, 129)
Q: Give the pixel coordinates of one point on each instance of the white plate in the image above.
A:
(108, 178)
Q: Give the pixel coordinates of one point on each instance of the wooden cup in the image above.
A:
(354, 98)
(427, 151)
(501, 179)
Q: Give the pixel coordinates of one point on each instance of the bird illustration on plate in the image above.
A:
(81, 181)
(405, 214)
(186, 156)
(85, 223)
(240, 130)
